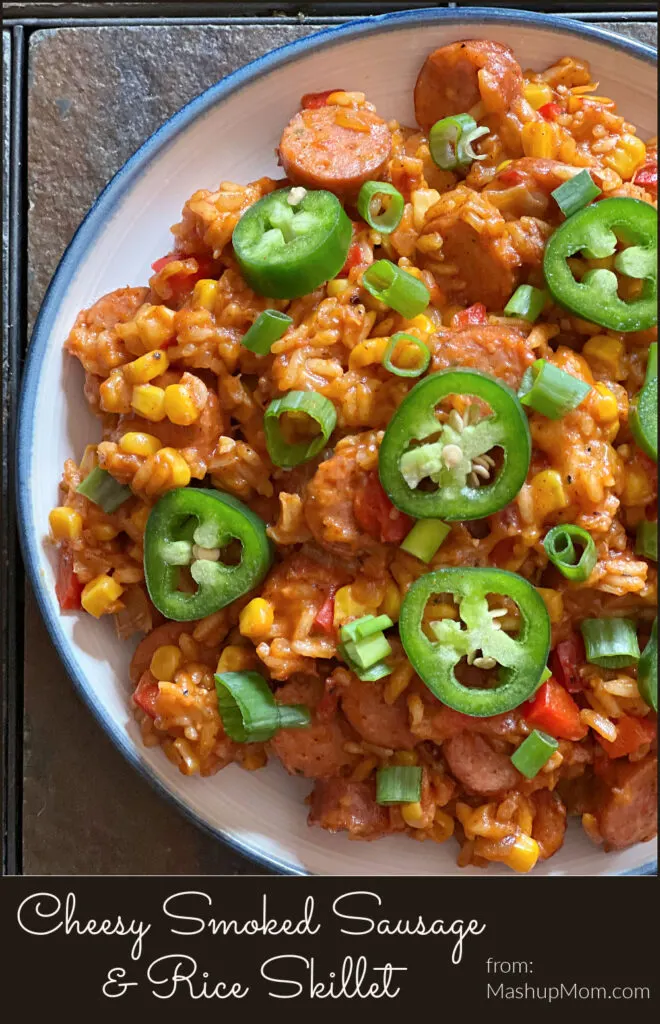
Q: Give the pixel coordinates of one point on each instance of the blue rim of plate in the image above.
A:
(84, 238)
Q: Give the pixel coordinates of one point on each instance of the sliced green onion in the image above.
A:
(370, 674)
(576, 193)
(425, 538)
(249, 711)
(399, 784)
(551, 391)
(101, 488)
(526, 302)
(610, 643)
(561, 551)
(397, 288)
(450, 141)
(360, 629)
(366, 653)
(646, 542)
(399, 371)
(647, 670)
(533, 753)
(317, 408)
(265, 331)
(373, 196)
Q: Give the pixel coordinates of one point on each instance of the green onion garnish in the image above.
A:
(370, 674)
(576, 193)
(450, 141)
(317, 408)
(249, 711)
(101, 488)
(560, 549)
(533, 753)
(360, 629)
(425, 538)
(646, 541)
(381, 206)
(526, 302)
(265, 331)
(399, 371)
(647, 670)
(366, 653)
(610, 643)
(551, 391)
(398, 784)
(397, 288)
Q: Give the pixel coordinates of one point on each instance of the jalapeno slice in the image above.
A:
(644, 408)
(595, 231)
(190, 527)
(477, 636)
(284, 250)
(455, 459)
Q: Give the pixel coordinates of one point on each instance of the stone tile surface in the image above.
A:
(95, 94)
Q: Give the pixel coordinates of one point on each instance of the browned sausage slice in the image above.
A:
(628, 810)
(329, 503)
(456, 77)
(496, 349)
(316, 752)
(342, 806)
(385, 725)
(481, 769)
(335, 148)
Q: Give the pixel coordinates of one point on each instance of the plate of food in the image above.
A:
(339, 495)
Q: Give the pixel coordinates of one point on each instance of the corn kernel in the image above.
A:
(204, 294)
(179, 406)
(548, 493)
(347, 608)
(539, 139)
(413, 815)
(115, 394)
(637, 488)
(65, 523)
(554, 602)
(605, 355)
(523, 855)
(422, 324)
(391, 603)
(179, 470)
(155, 326)
(367, 352)
(345, 99)
(99, 595)
(140, 516)
(605, 406)
(104, 531)
(149, 402)
(144, 369)
(337, 286)
(628, 154)
(256, 619)
(165, 662)
(423, 199)
(234, 659)
(137, 443)
(537, 94)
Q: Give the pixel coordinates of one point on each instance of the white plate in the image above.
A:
(230, 132)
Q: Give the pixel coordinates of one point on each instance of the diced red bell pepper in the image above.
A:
(67, 585)
(146, 694)
(183, 282)
(647, 177)
(550, 111)
(631, 734)
(553, 710)
(314, 100)
(565, 661)
(377, 515)
(158, 265)
(511, 176)
(470, 317)
(353, 259)
(325, 617)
